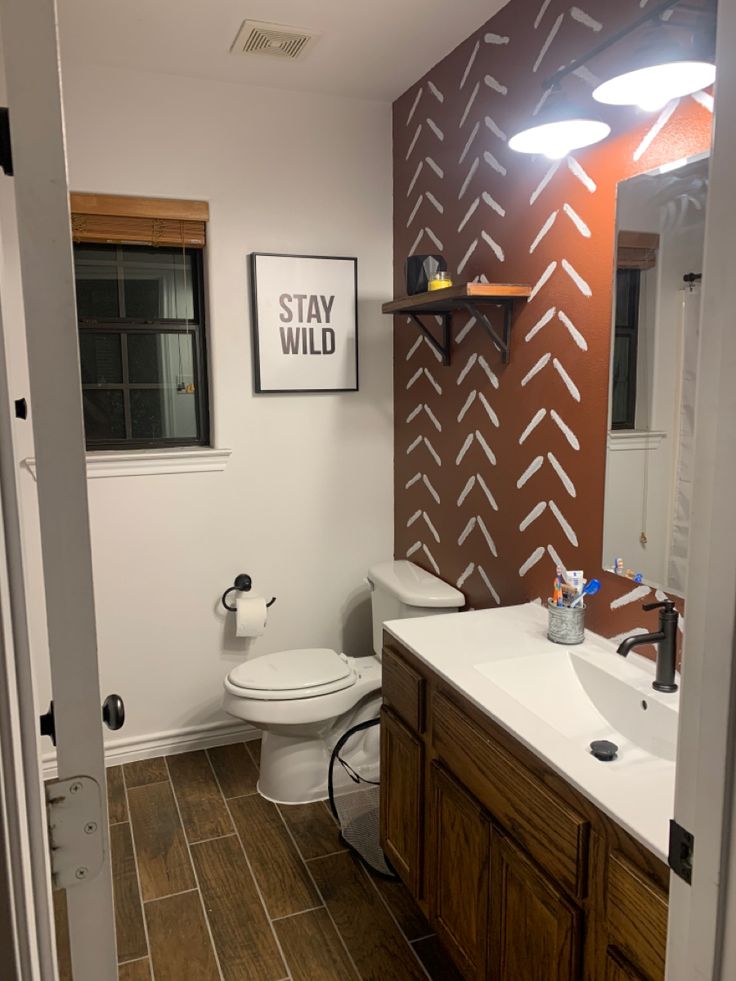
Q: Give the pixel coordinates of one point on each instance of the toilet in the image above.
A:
(303, 700)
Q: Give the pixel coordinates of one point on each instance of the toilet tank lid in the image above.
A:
(414, 586)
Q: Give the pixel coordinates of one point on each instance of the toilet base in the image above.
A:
(294, 768)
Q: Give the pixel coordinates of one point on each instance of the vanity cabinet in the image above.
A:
(521, 876)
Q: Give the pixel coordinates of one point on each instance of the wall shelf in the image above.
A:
(467, 298)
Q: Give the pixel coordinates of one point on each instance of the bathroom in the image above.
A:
(387, 137)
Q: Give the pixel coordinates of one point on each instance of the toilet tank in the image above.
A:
(400, 589)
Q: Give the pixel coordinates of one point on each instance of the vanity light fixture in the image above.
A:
(650, 84)
(559, 129)
(655, 77)
(556, 139)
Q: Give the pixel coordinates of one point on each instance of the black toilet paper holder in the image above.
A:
(243, 583)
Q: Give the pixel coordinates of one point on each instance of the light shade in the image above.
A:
(652, 87)
(559, 137)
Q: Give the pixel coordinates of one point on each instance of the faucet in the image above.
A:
(665, 639)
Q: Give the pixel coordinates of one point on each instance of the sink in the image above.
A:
(587, 696)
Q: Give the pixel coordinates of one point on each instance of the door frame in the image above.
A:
(702, 915)
(30, 54)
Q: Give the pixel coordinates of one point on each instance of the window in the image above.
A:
(140, 310)
(623, 402)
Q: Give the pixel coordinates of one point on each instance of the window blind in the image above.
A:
(121, 220)
(637, 250)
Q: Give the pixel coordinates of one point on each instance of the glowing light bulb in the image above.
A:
(555, 140)
(653, 87)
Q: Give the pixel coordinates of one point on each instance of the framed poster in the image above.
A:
(305, 323)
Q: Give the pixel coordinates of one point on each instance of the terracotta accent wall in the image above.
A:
(500, 468)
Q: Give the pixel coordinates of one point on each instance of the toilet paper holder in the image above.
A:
(243, 583)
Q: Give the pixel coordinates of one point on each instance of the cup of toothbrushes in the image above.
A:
(566, 624)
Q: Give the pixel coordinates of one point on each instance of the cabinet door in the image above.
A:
(535, 934)
(619, 969)
(402, 799)
(459, 869)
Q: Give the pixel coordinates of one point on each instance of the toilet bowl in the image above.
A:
(303, 700)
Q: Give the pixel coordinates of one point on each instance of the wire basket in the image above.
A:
(358, 811)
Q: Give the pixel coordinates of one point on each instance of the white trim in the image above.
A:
(167, 743)
(143, 463)
(702, 916)
(634, 439)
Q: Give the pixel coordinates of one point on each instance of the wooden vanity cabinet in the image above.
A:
(522, 878)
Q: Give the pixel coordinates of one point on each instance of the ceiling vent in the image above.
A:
(256, 37)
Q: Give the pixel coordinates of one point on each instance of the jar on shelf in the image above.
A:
(440, 281)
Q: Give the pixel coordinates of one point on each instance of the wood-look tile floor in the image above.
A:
(214, 883)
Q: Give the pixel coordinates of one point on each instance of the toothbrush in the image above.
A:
(590, 590)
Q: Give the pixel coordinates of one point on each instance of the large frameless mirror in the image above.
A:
(660, 232)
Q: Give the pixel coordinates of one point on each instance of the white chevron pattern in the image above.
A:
(461, 444)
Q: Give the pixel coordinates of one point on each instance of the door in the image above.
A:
(402, 799)
(459, 867)
(536, 932)
(702, 920)
(44, 252)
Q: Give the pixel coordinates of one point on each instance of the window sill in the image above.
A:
(142, 463)
(634, 439)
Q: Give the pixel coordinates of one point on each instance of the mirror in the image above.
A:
(660, 232)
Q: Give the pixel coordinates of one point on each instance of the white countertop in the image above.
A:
(639, 797)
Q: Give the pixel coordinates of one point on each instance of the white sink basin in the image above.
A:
(593, 696)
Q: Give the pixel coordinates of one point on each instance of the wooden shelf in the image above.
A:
(455, 297)
(468, 298)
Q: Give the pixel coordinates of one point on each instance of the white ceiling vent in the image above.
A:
(256, 37)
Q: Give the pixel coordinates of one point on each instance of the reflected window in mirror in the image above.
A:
(623, 396)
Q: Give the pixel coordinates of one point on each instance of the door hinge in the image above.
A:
(6, 151)
(682, 846)
(74, 817)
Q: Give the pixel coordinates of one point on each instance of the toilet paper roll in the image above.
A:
(250, 615)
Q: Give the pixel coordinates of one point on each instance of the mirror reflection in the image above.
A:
(660, 230)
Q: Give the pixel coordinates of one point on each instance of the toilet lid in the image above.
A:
(297, 674)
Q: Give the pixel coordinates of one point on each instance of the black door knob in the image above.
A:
(113, 712)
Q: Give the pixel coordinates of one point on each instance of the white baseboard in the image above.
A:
(165, 743)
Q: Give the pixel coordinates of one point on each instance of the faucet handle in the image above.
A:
(667, 605)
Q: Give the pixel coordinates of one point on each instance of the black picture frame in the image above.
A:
(261, 386)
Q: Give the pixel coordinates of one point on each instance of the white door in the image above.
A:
(29, 41)
(699, 912)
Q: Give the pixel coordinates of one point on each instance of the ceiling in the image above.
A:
(369, 49)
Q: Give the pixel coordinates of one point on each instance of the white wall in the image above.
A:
(305, 502)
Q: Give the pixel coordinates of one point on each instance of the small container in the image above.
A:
(440, 281)
(566, 623)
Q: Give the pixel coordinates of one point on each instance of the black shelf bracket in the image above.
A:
(443, 347)
(502, 341)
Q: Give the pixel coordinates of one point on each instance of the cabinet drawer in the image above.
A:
(554, 835)
(636, 916)
(404, 689)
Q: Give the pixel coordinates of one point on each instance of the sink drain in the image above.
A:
(604, 749)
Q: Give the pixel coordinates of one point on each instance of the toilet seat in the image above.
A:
(293, 674)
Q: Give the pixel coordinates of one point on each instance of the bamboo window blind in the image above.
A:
(637, 250)
(128, 220)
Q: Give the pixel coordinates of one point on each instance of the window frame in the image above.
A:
(630, 331)
(123, 326)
